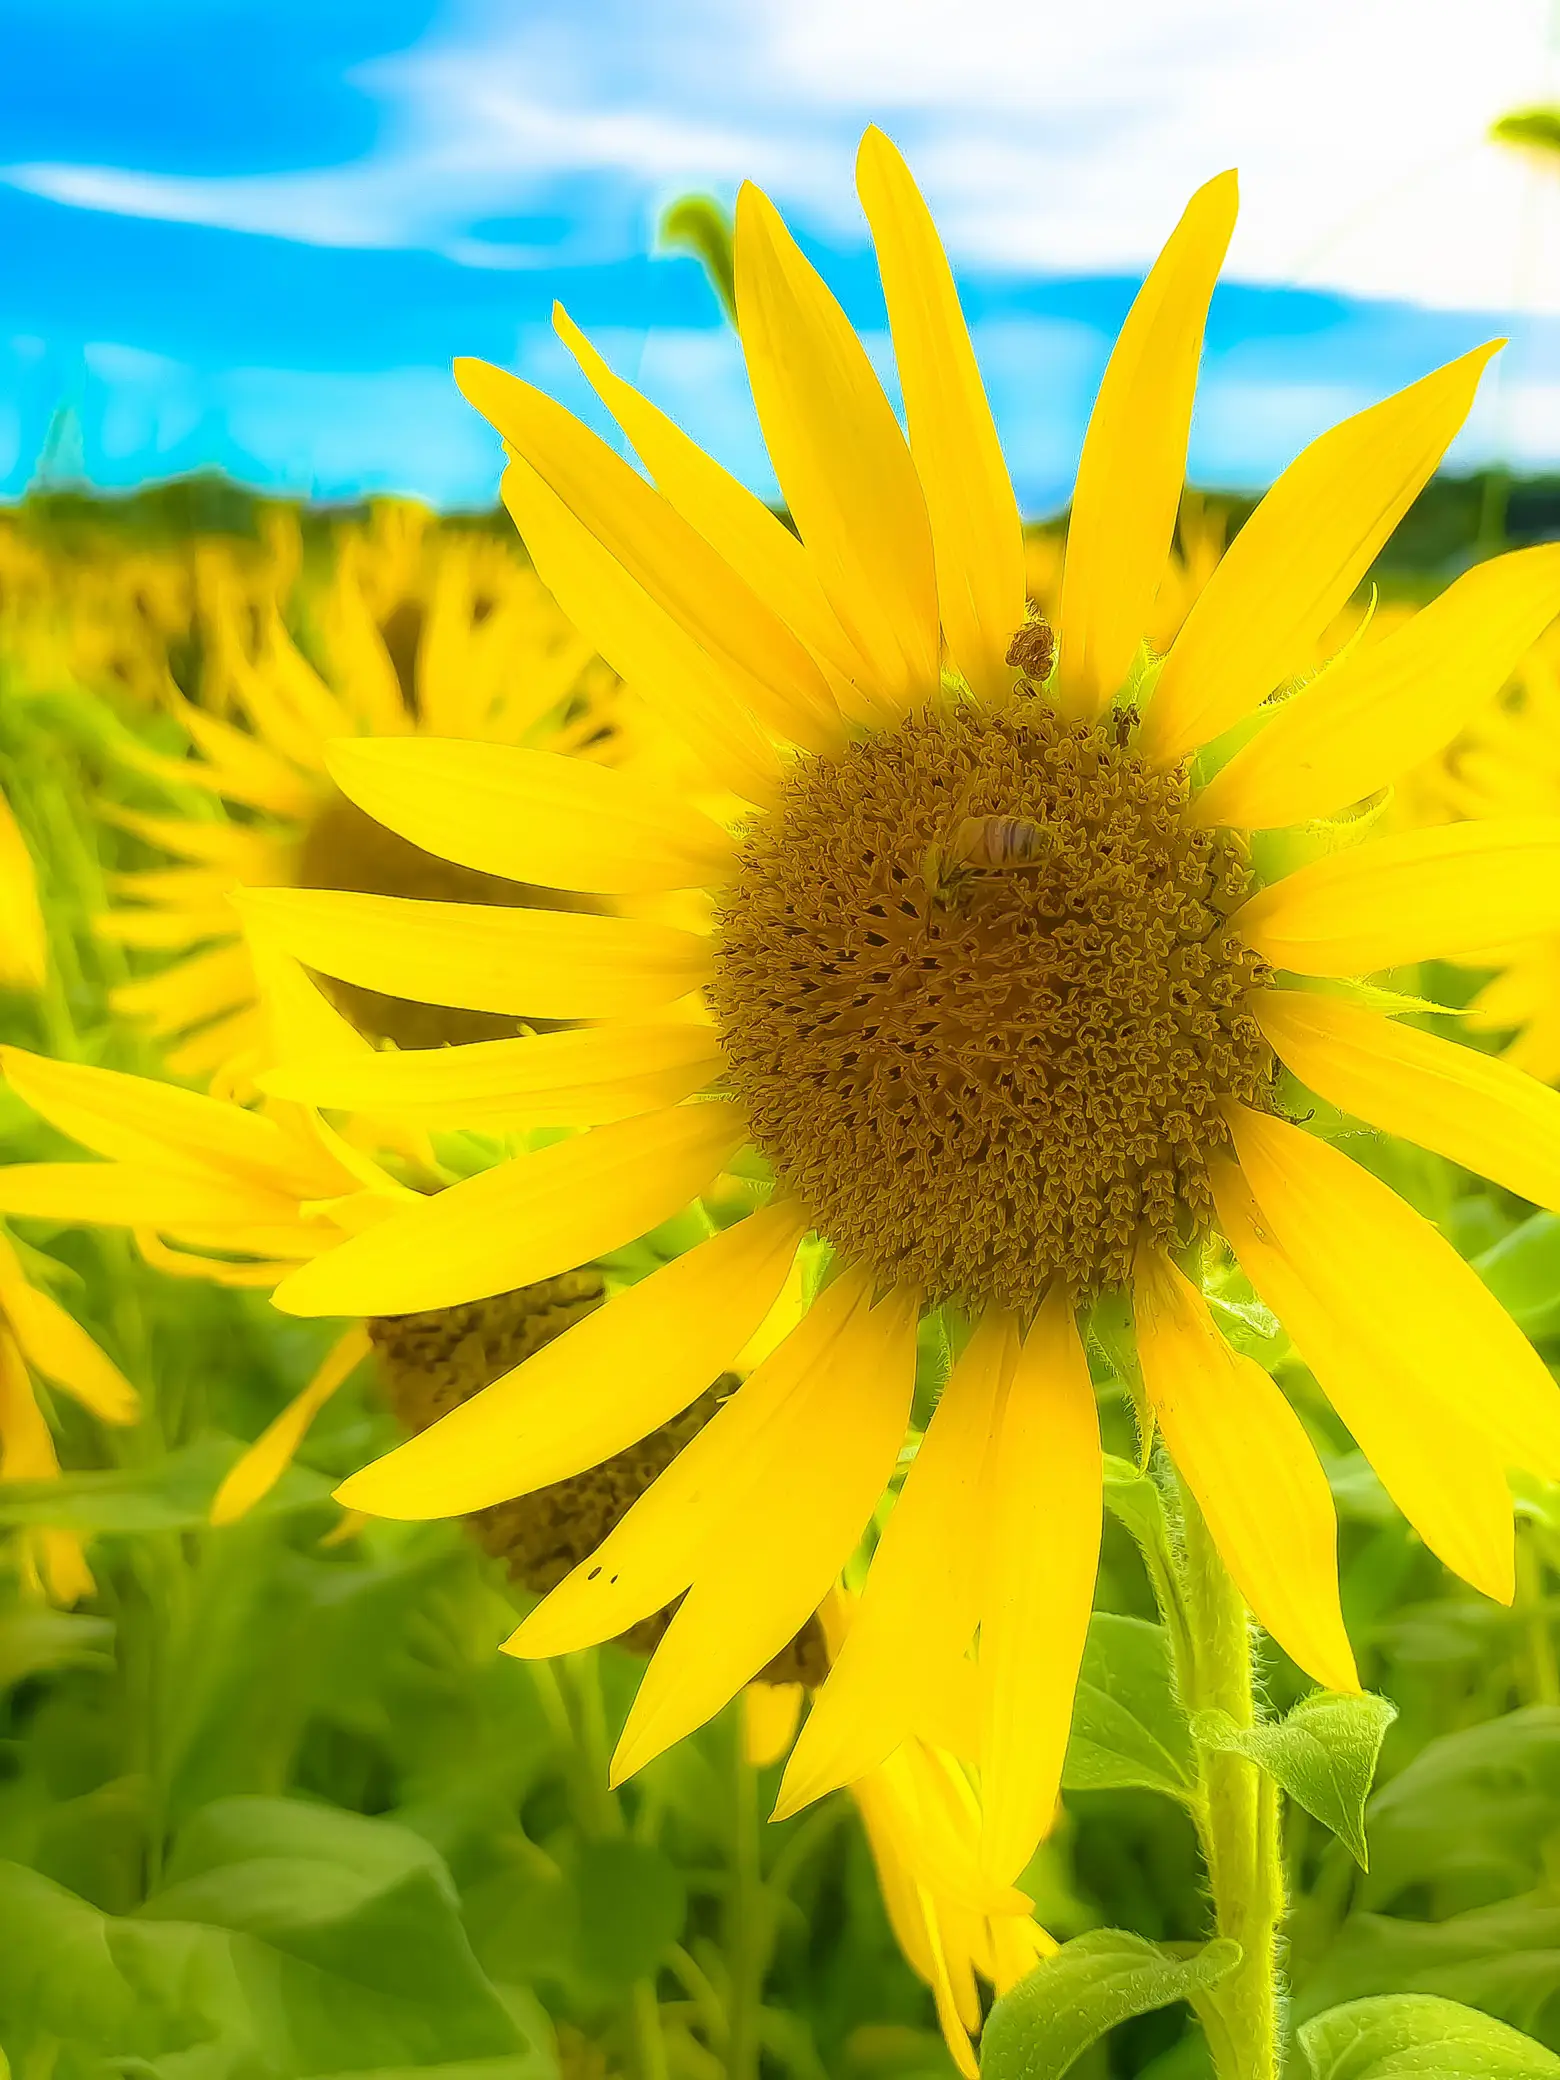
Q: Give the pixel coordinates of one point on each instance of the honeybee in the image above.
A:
(983, 845)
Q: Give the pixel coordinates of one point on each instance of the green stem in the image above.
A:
(747, 1939)
(1239, 1822)
(1543, 1669)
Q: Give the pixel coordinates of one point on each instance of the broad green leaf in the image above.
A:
(34, 1637)
(1523, 1272)
(538, 2063)
(1071, 1999)
(632, 1904)
(171, 1494)
(1466, 1821)
(293, 1939)
(1504, 1959)
(1128, 1730)
(1323, 1753)
(1407, 2034)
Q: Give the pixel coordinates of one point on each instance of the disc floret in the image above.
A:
(979, 993)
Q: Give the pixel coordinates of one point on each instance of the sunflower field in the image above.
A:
(780, 1288)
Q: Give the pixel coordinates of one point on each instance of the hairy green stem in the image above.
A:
(1239, 1821)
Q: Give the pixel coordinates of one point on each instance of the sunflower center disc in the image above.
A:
(979, 994)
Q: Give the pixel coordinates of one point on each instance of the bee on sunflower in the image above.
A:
(1022, 1076)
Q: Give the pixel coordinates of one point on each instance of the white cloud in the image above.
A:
(1048, 135)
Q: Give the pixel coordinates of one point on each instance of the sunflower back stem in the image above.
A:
(1239, 1816)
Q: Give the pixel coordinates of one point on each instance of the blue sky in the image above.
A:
(254, 235)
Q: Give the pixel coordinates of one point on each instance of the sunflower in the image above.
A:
(995, 997)
(1507, 763)
(475, 649)
(39, 1341)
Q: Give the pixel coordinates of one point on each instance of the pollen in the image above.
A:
(986, 1066)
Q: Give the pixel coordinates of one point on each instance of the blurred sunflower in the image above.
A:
(452, 637)
(994, 997)
(40, 1341)
(24, 949)
(1507, 763)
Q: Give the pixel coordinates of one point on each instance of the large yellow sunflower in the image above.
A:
(438, 632)
(995, 996)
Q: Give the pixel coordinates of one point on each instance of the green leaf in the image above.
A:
(1069, 2000)
(293, 1939)
(1504, 1959)
(34, 1638)
(1466, 1821)
(1406, 2034)
(172, 1494)
(1323, 1753)
(1129, 1731)
(1523, 1272)
(632, 1905)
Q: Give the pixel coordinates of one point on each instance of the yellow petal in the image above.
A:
(921, 1603)
(651, 1556)
(841, 459)
(531, 815)
(135, 1119)
(260, 1468)
(132, 1195)
(1446, 1324)
(684, 686)
(1384, 707)
(1439, 1469)
(669, 560)
(1299, 556)
(531, 963)
(1472, 1108)
(55, 1345)
(1413, 896)
(24, 946)
(1045, 1544)
(580, 1079)
(1133, 463)
(241, 767)
(753, 540)
(610, 1379)
(527, 1219)
(783, 1531)
(1244, 1454)
(207, 985)
(977, 536)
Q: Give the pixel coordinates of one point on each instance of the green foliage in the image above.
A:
(1323, 1754)
(290, 1940)
(703, 227)
(1537, 128)
(1068, 2001)
(1129, 1732)
(1415, 2037)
